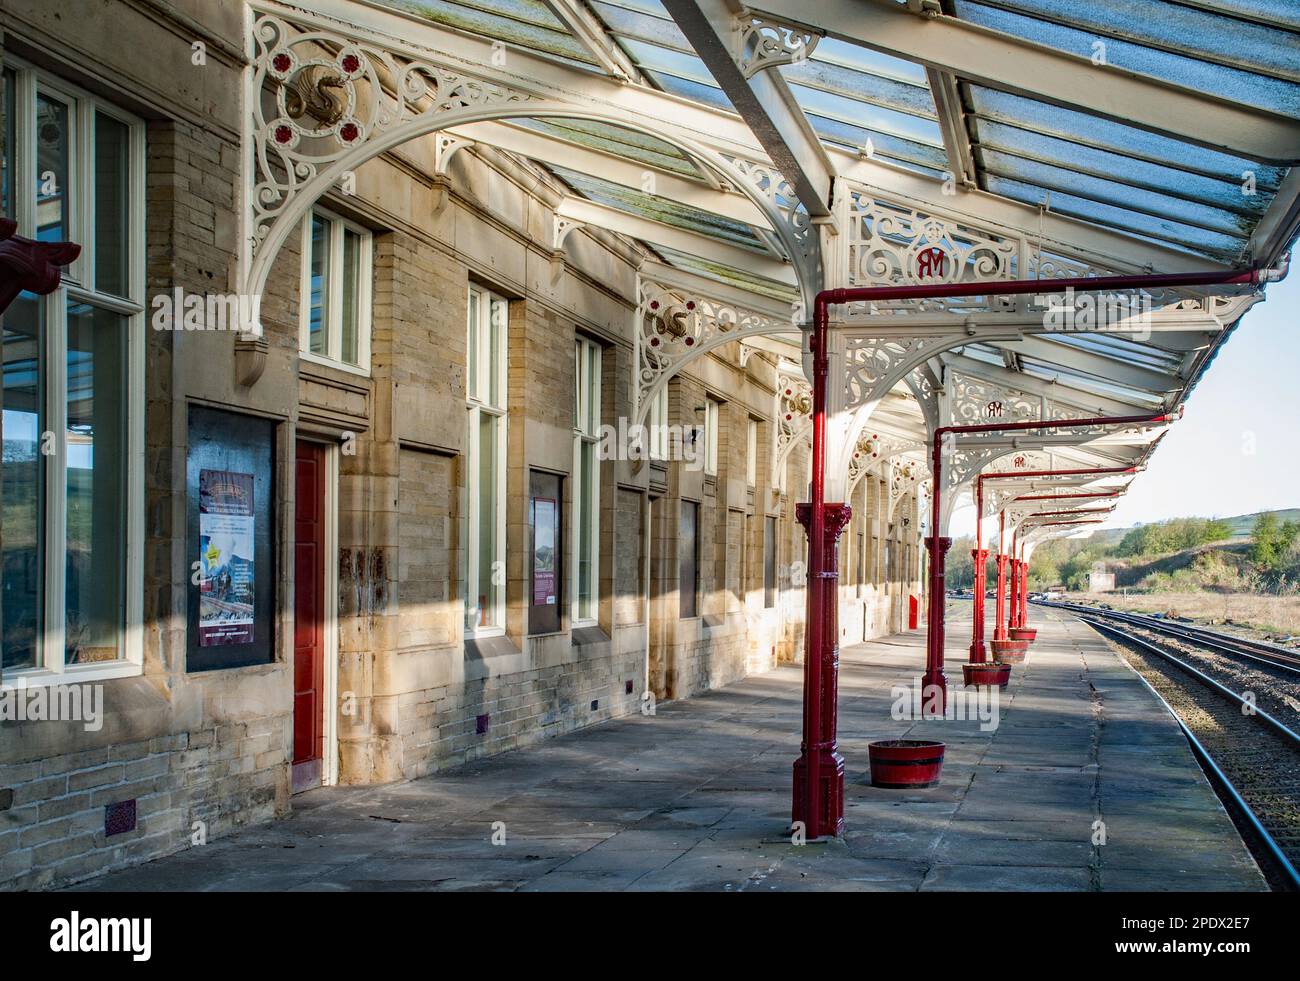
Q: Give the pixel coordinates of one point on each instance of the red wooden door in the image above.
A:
(308, 616)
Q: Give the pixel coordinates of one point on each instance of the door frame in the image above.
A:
(329, 691)
(329, 773)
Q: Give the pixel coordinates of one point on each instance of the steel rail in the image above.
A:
(1215, 772)
(1267, 655)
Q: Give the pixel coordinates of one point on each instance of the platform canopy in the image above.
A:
(753, 155)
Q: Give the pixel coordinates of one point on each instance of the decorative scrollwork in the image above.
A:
(770, 183)
(875, 451)
(318, 95)
(793, 413)
(762, 42)
(675, 329)
(893, 245)
(873, 365)
(975, 401)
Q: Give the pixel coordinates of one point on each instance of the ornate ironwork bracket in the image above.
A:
(763, 42)
(673, 329)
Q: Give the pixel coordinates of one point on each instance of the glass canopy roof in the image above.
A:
(1155, 188)
(1169, 189)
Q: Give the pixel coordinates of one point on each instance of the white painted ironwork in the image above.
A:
(763, 42)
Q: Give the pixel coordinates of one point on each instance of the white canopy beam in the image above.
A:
(618, 170)
(762, 99)
(584, 212)
(1013, 64)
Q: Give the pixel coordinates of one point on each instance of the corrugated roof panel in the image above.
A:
(629, 144)
(1223, 192)
(1224, 248)
(1185, 29)
(830, 105)
(658, 209)
(527, 23)
(727, 274)
(861, 87)
(1116, 194)
(1235, 84)
(1079, 127)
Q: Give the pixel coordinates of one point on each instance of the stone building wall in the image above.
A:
(202, 753)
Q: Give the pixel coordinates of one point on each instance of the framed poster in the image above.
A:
(231, 556)
(545, 552)
(227, 558)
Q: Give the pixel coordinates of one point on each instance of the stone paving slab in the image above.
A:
(697, 798)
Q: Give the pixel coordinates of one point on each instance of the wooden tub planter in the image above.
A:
(1009, 651)
(1024, 633)
(988, 673)
(906, 764)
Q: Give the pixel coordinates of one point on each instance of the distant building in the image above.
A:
(1100, 581)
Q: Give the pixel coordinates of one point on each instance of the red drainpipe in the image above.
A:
(978, 653)
(821, 808)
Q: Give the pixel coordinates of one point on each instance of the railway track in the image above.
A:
(1251, 756)
(1253, 651)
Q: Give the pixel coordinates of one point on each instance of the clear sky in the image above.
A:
(1236, 449)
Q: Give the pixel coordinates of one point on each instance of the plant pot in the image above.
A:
(907, 764)
(1024, 633)
(1009, 651)
(986, 673)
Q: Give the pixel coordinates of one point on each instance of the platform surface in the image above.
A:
(1086, 784)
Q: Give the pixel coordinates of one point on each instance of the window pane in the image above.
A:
(318, 268)
(471, 345)
(687, 555)
(53, 189)
(96, 483)
(488, 591)
(769, 563)
(8, 149)
(751, 455)
(22, 525)
(593, 389)
(496, 335)
(577, 385)
(111, 168)
(350, 347)
(586, 545)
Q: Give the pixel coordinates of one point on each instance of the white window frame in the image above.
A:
(657, 423)
(751, 454)
(477, 405)
(711, 408)
(585, 433)
(334, 309)
(78, 285)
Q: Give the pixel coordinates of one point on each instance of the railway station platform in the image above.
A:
(1085, 784)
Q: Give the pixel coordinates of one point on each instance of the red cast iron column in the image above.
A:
(1000, 610)
(807, 805)
(828, 807)
(978, 652)
(934, 676)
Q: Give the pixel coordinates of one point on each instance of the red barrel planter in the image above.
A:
(987, 673)
(907, 764)
(1009, 651)
(1024, 633)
